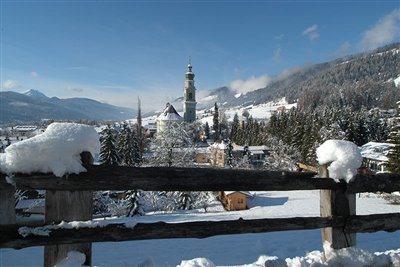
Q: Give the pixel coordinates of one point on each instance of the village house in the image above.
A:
(234, 200)
(375, 156)
(219, 154)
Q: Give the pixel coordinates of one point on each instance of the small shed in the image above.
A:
(234, 200)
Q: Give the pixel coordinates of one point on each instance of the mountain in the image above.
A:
(366, 79)
(33, 105)
(35, 94)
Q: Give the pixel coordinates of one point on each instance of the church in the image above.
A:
(169, 115)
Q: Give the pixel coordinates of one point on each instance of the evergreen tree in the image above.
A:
(139, 131)
(108, 151)
(223, 126)
(207, 130)
(233, 136)
(216, 127)
(229, 154)
(128, 148)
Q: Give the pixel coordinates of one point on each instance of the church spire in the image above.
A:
(189, 95)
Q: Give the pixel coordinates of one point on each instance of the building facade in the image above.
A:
(169, 117)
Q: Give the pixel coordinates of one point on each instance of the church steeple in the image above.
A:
(189, 95)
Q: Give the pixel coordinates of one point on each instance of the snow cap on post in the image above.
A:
(345, 158)
(57, 150)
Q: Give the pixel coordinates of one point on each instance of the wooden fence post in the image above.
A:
(334, 203)
(68, 206)
(7, 203)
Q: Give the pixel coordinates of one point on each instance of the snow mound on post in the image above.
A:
(345, 157)
(57, 150)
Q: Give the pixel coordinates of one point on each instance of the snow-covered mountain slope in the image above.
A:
(259, 112)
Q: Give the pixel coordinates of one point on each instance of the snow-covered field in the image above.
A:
(234, 250)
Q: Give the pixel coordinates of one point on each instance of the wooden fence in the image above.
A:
(70, 199)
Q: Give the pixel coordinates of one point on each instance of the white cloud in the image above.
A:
(251, 84)
(10, 84)
(385, 30)
(254, 83)
(312, 32)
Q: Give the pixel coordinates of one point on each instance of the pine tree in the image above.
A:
(216, 127)
(229, 154)
(139, 131)
(108, 151)
(234, 129)
(128, 148)
(207, 130)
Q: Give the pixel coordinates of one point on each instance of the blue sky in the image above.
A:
(115, 51)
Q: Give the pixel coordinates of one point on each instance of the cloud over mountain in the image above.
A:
(251, 84)
(385, 30)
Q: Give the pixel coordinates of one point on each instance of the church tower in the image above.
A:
(189, 96)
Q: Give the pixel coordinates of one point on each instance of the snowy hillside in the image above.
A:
(259, 112)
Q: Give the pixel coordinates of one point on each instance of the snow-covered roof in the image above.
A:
(169, 114)
(247, 193)
(25, 128)
(252, 149)
(376, 151)
(219, 145)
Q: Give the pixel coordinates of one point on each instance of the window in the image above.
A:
(190, 96)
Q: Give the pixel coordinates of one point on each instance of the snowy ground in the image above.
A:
(231, 250)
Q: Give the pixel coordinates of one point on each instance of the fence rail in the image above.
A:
(100, 178)
(65, 195)
(10, 238)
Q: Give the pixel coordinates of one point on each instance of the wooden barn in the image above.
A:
(234, 200)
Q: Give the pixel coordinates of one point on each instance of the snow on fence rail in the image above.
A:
(338, 220)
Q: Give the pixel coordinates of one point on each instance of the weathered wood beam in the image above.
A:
(69, 206)
(336, 203)
(383, 182)
(199, 179)
(174, 179)
(10, 238)
(7, 203)
(388, 222)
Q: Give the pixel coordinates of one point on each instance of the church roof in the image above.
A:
(169, 114)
